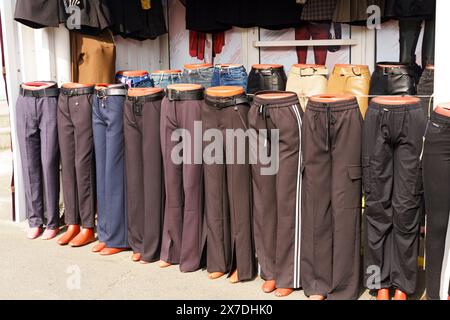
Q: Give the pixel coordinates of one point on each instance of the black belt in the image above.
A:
(103, 93)
(49, 92)
(268, 72)
(400, 70)
(77, 91)
(139, 101)
(177, 95)
(221, 103)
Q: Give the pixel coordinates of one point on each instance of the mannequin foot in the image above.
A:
(34, 233)
(400, 295)
(317, 297)
(111, 251)
(143, 262)
(234, 278)
(136, 257)
(215, 275)
(85, 237)
(269, 286)
(164, 264)
(49, 234)
(283, 292)
(99, 247)
(72, 232)
(383, 294)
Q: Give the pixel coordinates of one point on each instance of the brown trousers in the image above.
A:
(93, 57)
(276, 197)
(228, 200)
(144, 175)
(331, 200)
(183, 217)
(76, 143)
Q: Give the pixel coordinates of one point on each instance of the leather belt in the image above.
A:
(147, 98)
(103, 93)
(49, 92)
(268, 72)
(177, 95)
(221, 103)
(400, 70)
(77, 91)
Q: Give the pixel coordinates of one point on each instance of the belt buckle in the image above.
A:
(101, 94)
(173, 95)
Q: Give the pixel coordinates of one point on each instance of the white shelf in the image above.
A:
(305, 43)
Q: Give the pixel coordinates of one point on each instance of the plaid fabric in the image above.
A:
(318, 10)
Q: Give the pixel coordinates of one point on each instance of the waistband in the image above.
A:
(275, 103)
(147, 98)
(337, 106)
(440, 119)
(399, 69)
(230, 68)
(132, 80)
(164, 74)
(177, 95)
(119, 90)
(48, 92)
(199, 70)
(394, 108)
(351, 71)
(305, 72)
(77, 91)
(269, 71)
(221, 103)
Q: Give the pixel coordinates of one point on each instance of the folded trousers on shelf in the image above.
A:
(107, 121)
(392, 174)
(183, 219)
(436, 176)
(227, 197)
(77, 156)
(331, 200)
(351, 80)
(38, 143)
(144, 175)
(277, 195)
(307, 82)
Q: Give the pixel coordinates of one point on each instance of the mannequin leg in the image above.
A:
(302, 33)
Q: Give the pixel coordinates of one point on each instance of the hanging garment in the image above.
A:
(77, 155)
(144, 174)
(183, 219)
(314, 31)
(355, 11)
(331, 200)
(277, 196)
(40, 13)
(436, 175)
(201, 16)
(318, 10)
(392, 174)
(107, 123)
(307, 82)
(410, 9)
(37, 133)
(229, 234)
(93, 58)
(89, 17)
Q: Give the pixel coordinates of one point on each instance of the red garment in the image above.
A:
(316, 31)
(197, 44)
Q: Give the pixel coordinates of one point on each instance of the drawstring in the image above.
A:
(330, 120)
(424, 138)
(265, 114)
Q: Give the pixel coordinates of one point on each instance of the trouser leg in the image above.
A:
(50, 160)
(429, 42)
(320, 31)
(346, 196)
(302, 33)
(409, 37)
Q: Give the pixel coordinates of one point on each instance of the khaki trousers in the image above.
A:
(354, 80)
(307, 82)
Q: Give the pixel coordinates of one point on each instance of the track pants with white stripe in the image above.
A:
(276, 194)
(331, 204)
(436, 176)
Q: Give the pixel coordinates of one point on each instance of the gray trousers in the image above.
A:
(38, 144)
(183, 218)
(77, 159)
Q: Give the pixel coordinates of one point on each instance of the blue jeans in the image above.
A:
(202, 77)
(135, 82)
(107, 119)
(162, 80)
(230, 76)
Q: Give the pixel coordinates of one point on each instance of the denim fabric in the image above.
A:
(107, 123)
(202, 77)
(162, 80)
(231, 76)
(135, 82)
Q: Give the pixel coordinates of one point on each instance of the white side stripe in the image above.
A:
(298, 204)
(445, 274)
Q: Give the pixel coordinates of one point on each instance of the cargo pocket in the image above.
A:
(366, 175)
(353, 194)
